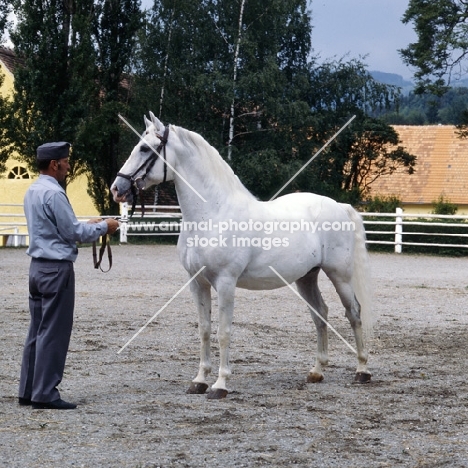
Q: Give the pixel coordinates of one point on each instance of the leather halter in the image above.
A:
(137, 184)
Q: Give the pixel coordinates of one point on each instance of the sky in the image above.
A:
(363, 27)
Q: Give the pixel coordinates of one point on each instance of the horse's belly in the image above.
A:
(273, 275)
(260, 284)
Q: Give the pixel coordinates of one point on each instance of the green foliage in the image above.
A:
(427, 109)
(247, 83)
(442, 42)
(438, 56)
(5, 150)
(5, 9)
(382, 204)
(187, 64)
(280, 107)
(443, 206)
(71, 85)
(361, 153)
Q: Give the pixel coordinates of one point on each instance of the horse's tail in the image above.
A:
(361, 274)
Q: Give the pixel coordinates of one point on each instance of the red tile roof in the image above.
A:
(441, 166)
(9, 59)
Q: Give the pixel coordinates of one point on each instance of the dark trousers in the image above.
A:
(51, 304)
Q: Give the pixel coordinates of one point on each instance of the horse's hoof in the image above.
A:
(217, 394)
(362, 377)
(313, 377)
(197, 388)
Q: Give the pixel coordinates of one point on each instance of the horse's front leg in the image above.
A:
(201, 292)
(226, 293)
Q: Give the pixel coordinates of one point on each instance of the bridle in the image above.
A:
(137, 185)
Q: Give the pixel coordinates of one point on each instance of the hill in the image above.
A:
(393, 79)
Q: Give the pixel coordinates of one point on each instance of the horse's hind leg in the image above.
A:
(345, 290)
(202, 295)
(308, 288)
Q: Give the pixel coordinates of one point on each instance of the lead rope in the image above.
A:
(105, 242)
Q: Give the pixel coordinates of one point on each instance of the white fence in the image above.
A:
(166, 220)
(13, 227)
(13, 231)
(169, 223)
(401, 220)
(159, 220)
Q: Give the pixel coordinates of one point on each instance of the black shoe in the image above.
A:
(56, 404)
(24, 401)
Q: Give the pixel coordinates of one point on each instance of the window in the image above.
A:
(19, 172)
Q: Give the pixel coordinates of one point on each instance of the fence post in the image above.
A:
(123, 222)
(398, 230)
(16, 241)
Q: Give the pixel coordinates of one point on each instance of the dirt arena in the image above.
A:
(133, 410)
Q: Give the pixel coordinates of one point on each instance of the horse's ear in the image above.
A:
(156, 122)
(147, 122)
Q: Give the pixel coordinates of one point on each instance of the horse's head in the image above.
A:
(146, 165)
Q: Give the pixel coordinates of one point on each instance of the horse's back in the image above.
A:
(311, 207)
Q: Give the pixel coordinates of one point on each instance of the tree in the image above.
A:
(441, 49)
(240, 73)
(42, 99)
(180, 74)
(376, 151)
(441, 52)
(74, 54)
(114, 27)
(5, 150)
(193, 50)
(424, 109)
(367, 149)
(5, 10)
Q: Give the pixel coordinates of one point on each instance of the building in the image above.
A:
(441, 169)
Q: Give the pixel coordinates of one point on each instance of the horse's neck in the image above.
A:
(207, 177)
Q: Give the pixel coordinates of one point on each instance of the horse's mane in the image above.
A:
(220, 176)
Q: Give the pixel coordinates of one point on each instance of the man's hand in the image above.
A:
(112, 225)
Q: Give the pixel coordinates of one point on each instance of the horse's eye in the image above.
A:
(145, 149)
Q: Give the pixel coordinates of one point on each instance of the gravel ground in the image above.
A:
(133, 410)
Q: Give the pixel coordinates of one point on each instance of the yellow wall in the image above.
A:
(12, 193)
(7, 87)
(428, 208)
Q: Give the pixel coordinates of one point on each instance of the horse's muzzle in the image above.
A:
(121, 196)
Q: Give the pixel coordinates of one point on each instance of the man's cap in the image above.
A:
(55, 150)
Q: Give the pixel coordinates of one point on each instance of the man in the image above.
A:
(53, 233)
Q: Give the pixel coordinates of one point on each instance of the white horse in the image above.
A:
(246, 243)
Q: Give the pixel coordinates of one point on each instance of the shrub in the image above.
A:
(382, 204)
(443, 206)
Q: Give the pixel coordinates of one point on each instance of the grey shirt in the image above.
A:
(52, 224)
